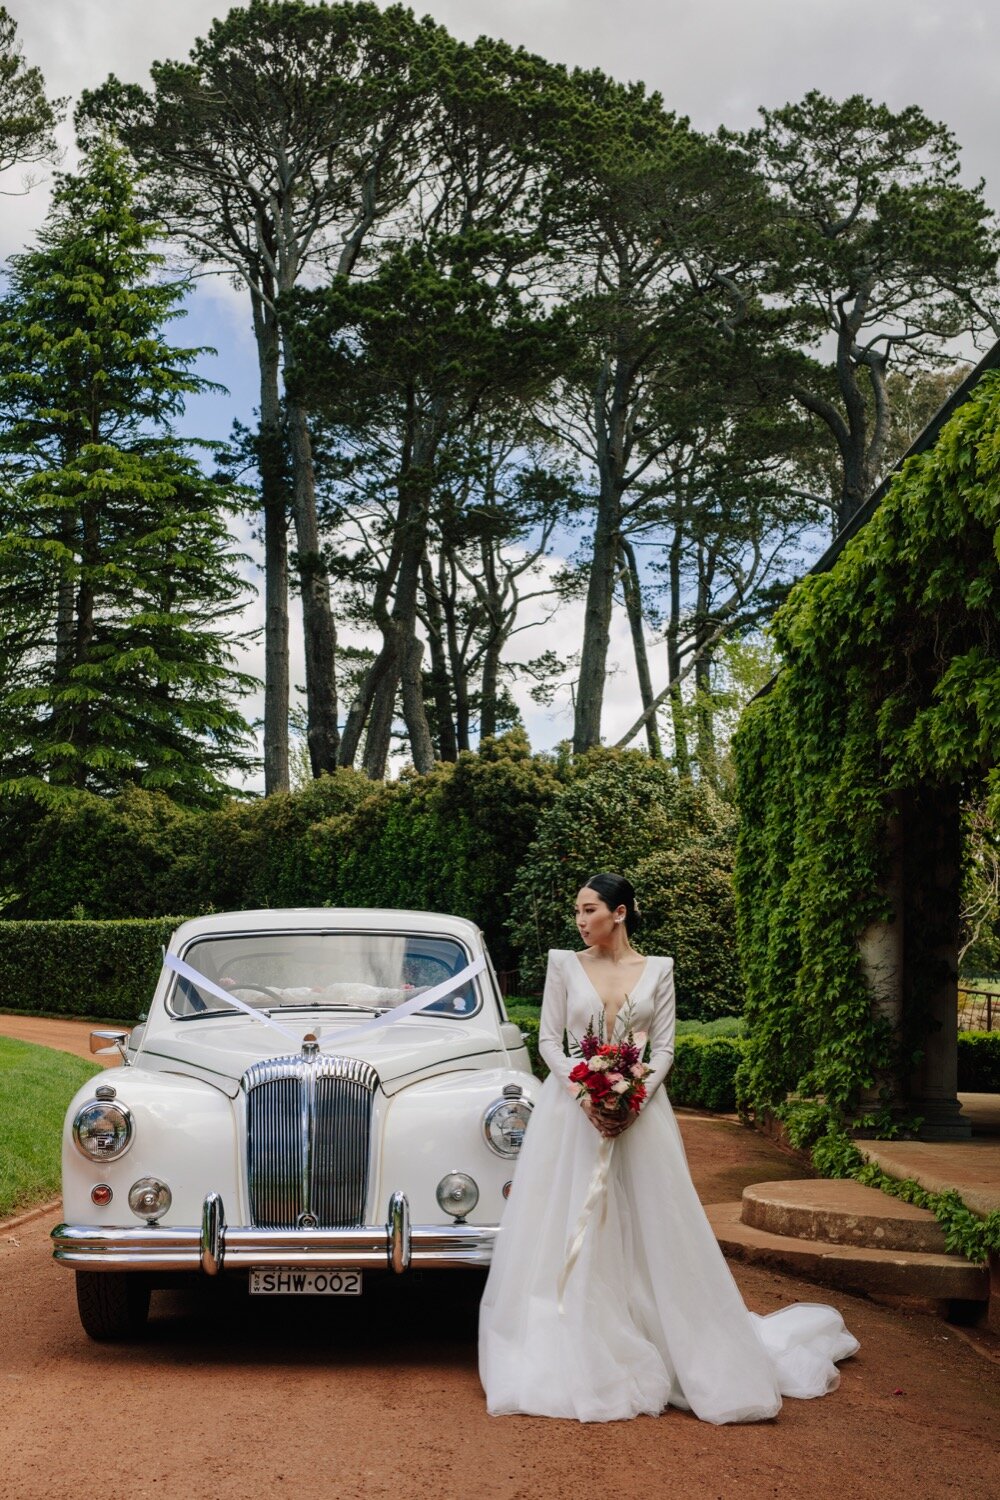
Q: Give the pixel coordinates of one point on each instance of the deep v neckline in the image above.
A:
(609, 1029)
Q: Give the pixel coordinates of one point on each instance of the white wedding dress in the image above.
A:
(651, 1315)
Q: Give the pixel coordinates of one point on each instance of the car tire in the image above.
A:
(112, 1304)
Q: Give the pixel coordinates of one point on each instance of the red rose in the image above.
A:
(599, 1087)
(579, 1073)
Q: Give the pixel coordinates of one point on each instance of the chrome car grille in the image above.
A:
(308, 1141)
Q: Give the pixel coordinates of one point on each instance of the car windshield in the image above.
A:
(367, 971)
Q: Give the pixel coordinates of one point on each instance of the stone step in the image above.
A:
(851, 1268)
(842, 1213)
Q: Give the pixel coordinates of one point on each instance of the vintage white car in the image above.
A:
(316, 1095)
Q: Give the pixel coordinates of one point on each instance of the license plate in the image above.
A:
(284, 1281)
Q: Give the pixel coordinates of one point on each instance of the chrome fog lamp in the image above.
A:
(149, 1198)
(457, 1194)
(102, 1131)
(504, 1124)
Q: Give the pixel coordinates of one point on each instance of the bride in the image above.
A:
(647, 1315)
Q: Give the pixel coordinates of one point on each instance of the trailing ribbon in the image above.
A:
(419, 1002)
(210, 988)
(597, 1192)
(349, 1033)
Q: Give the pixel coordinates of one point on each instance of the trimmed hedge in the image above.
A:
(450, 841)
(105, 969)
(979, 1062)
(704, 1072)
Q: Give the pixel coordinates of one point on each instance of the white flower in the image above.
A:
(620, 1088)
(598, 1064)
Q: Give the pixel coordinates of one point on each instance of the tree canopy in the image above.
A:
(117, 578)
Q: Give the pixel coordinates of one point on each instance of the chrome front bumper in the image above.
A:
(217, 1246)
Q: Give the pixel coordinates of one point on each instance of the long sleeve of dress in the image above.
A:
(552, 1024)
(661, 1030)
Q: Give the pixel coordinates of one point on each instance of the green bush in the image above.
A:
(704, 1072)
(139, 855)
(705, 1062)
(619, 809)
(724, 1026)
(979, 1062)
(450, 841)
(689, 912)
(104, 969)
(527, 1017)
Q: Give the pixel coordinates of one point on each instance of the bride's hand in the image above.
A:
(607, 1124)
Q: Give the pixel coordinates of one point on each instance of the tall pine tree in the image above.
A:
(118, 582)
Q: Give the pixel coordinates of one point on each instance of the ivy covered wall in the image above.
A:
(889, 697)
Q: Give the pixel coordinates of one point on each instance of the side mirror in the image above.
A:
(109, 1041)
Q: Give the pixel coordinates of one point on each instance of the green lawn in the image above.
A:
(36, 1084)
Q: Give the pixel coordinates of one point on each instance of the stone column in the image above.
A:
(932, 866)
(881, 946)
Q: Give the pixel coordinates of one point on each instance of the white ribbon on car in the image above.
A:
(597, 1193)
(211, 988)
(348, 1033)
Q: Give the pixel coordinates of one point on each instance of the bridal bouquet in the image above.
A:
(612, 1072)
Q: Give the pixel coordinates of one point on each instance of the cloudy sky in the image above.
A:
(716, 61)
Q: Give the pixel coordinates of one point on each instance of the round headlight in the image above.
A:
(149, 1198)
(102, 1131)
(504, 1124)
(457, 1194)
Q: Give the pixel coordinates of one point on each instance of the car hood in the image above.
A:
(221, 1051)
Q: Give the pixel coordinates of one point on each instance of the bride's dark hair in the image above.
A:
(615, 890)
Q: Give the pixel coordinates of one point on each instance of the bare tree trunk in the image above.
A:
(383, 680)
(459, 675)
(440, 677)
(319, 629)
(490, 685)
(610, 409)
(705, 718)
(400, 656)
(682, 758)
(414, 707)
(596, 630)
(270, 449)
(633, 606)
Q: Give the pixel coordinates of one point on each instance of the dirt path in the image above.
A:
(229, 1400)
(64, 1036)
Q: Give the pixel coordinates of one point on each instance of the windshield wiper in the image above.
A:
(370, 1010)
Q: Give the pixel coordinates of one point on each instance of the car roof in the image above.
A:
(326, 919)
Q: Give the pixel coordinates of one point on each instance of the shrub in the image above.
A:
(979, 1062)
(105, 969)
(689, 912)
(618, 809)
(452, 840)
(704, 1072)
(527, 1017)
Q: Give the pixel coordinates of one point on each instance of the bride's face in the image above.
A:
(594, 918)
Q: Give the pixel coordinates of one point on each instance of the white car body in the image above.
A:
(295, 1152)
